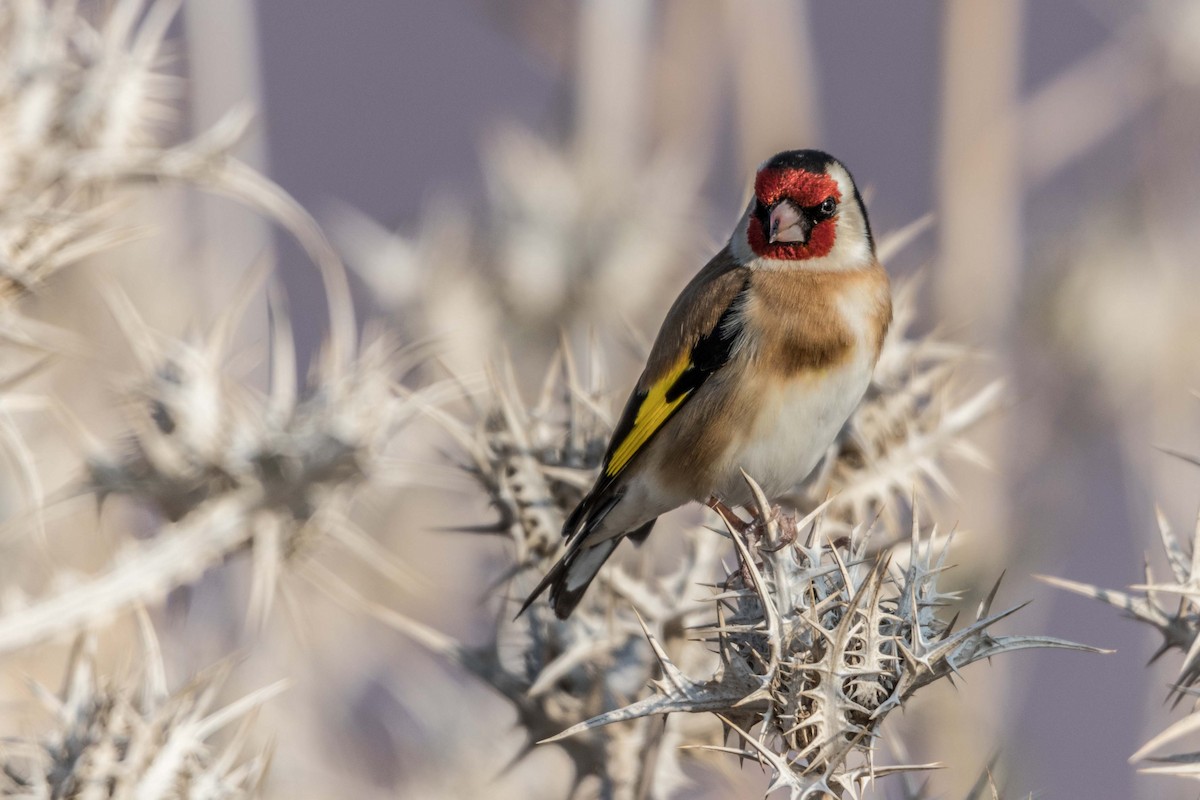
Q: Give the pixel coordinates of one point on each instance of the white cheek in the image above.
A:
(851, 241)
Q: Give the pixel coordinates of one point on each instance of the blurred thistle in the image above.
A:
(73, 97)
(229, 469)
(80, 109)
(217, 459)
(557, 248)
(1171, 607)
(132, 738)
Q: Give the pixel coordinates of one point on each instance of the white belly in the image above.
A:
(793, 431)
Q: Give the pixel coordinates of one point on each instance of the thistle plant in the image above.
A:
(76, 101)
(1172, 607)
(818, 641)
(127, 738)
(229, 470)
(221, 463)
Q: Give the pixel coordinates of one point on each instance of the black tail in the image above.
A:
(570, 577)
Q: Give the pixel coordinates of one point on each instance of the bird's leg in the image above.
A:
(727, 515)
(754, 527)
(736, 523)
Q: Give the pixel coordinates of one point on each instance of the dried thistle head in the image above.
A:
(231, 469)
(70, 95)
(197, 436)
(817, 643)
(533, 462)
(132, 738)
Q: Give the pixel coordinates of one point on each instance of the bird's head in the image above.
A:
(806, 213)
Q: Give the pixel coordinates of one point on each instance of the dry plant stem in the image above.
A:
(144, 575)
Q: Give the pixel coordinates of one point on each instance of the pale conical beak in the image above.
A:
(788, 224)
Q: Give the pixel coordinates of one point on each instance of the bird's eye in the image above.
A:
(828, 206)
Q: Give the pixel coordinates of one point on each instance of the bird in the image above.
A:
(758, 364)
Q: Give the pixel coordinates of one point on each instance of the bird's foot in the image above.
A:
(787, 534)
(753, 528)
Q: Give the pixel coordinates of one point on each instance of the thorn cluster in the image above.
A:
(124, 739)
(1172, 607)
(232, 470)
(75, 102)
(817, 643)
(287, 466)
(534, 463)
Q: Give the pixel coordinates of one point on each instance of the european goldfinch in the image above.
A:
(759, 362)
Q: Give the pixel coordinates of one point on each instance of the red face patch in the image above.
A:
(805, 189)
(801, 187)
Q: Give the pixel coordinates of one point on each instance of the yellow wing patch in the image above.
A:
(651, 414)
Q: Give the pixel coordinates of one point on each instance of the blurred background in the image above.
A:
(495, 172)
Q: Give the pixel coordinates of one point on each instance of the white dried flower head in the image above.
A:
(71, 95)
(132, 738)
(817, 643)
